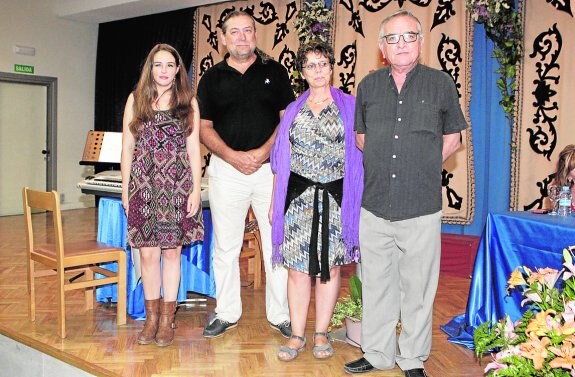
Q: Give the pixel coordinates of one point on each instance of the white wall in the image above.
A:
(66, 50)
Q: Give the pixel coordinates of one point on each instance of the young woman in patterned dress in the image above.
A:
(161, 183)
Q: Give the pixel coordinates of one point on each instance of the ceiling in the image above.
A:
(111, 10)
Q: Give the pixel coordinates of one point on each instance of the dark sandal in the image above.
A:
(323, 351)
(291, 352)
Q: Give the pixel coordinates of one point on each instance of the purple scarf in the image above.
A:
(352, 177)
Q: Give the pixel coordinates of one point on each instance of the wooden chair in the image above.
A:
(63, 257)
(252, 248)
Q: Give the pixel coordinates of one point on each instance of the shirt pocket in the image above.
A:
(426, 118)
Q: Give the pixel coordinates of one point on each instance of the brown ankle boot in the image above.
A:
(165, 334)
(148, 333)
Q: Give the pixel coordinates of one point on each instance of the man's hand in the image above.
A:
(244, 162)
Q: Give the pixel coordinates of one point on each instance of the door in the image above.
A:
(26, 138)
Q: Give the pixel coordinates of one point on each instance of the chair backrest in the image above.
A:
(46, 201)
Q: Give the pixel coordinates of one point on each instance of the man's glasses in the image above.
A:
(313, 66)
(394, 38)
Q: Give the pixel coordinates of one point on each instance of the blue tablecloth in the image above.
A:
(197, 272)
(510, 239)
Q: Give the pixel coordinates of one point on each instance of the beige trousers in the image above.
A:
(231, 193)
(400, 272)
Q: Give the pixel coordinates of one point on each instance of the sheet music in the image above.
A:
(111, 147)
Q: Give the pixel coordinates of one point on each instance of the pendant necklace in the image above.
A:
(156, 103)
(320, 101)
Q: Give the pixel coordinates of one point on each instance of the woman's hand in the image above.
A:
(194, 202)
(125, 202)
(271, 212)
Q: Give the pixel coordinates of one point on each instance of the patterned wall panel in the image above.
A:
(447, 31)
(545, 115)
(276, 36)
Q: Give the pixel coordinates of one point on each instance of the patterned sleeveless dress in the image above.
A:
(317, 153)
(160, 183)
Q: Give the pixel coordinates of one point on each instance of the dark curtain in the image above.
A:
(123, 47)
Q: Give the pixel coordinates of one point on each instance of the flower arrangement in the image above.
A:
(348, 306)
(313, 21)
(542, 341)
(503, 26)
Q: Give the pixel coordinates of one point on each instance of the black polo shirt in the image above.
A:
(402, 154)
(244, 107)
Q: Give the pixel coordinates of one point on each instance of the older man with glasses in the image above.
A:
(407, 121)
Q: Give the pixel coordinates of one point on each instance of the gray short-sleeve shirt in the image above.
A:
(404, 131)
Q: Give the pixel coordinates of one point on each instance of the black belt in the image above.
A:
(296, 186)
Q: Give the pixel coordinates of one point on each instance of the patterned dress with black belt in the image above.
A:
(317, 153)
(160, 183)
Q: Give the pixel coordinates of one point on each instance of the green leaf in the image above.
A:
(355, 288)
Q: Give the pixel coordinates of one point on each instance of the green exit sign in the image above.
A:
(23, 68)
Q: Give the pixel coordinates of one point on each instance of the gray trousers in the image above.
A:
(400, 271)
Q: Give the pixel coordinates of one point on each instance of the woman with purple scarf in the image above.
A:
(316, 199)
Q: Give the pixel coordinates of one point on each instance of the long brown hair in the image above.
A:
(565, 164)
(146, 93)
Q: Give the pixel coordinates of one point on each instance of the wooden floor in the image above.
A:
(97, 345)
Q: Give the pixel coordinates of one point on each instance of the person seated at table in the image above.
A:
(318, 168)
(161, 181)
(565, 173)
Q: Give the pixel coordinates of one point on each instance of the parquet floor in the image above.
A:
(97, 345)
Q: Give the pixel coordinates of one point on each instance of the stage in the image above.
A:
(95, 344)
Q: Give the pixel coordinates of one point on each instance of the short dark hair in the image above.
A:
(318, 47)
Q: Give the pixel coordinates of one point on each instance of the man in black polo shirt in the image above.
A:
(408, 121)
(241, 101)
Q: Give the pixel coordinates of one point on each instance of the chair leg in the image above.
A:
(61, 304)
(122, 287)
(31, 291)
(89, 291)
(258, 261)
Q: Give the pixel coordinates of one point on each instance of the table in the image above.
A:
(510, 239)
(197, 272)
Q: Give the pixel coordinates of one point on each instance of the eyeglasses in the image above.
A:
(394, 38)
(313, 66)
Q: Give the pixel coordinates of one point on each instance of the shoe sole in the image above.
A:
(278, 330)
(363, 371)
(223, 332)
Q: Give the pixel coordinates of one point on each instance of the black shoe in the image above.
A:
(358, 366)
(217, 327)
(419, 372)
(284, 328)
